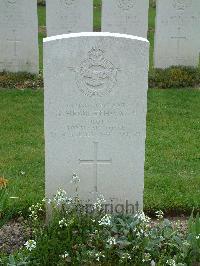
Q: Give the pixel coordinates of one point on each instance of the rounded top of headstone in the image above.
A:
(94, 34)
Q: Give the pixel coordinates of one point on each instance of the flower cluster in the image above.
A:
(99, 238)
(61, 198)
(30, 245)
(98, 205)
(198, 237)
(96, 255)
(111, 241)
(65, 255)
(171, 262)
(141, 217)
(75, 179)
(159, 215)
(105, 221)
(63, 223)
(125, 256)
(146, 258)
(35, 210)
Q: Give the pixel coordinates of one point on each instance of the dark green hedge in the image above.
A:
(20, 81)
(174, 77)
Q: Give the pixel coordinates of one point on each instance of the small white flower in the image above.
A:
(198, 237)
(153, 263)
(90, 253)
(63, 223)
(65, 255)
(106, 220)
(125, 256)
(142, 217)
(30, 245)
(22, 172)
(135, 248)
(61, 198)
(159, 215)
(75, 179)
(99, 255)
(147, 257)
(99, 203)
(171, 262)
(111, 241)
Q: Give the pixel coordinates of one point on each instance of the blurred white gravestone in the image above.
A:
(177, 33)
(125, 16)
(69, 16)
(95, 116)
(19, 36)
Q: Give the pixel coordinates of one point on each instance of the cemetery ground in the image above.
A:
(172, 176)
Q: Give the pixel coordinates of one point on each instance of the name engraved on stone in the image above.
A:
(98, 117)
(96, 76)
(95, 162)
(126, 4)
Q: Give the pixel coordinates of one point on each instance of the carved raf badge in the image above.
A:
(68, 2)
(96, 76)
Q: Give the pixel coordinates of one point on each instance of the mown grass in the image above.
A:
(172, 169)
(21, 147)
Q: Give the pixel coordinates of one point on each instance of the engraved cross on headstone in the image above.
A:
(15, 42)
(95, 162)
(179, 39)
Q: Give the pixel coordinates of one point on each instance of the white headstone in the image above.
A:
(69, 16)
(177, 33)
(125, 16)
(95, 115)
(19, 36)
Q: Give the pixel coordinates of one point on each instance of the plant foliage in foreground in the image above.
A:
(76, 236)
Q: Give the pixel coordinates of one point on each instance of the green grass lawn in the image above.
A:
(97, 26)
(172, 169)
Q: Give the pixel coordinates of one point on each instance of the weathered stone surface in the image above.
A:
(69, 16)
(95, 115)
(177, 33)
(125, 16)
(19, 36)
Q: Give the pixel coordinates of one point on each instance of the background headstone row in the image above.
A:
(177, 37)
